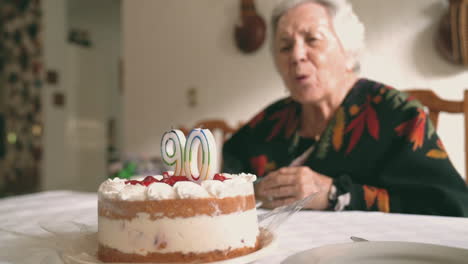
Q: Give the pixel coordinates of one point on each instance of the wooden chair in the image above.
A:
(215, 125)
(221, 130)
(435, 105)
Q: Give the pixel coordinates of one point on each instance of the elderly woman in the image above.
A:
(360, 144)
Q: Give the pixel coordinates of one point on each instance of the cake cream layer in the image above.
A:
(197, 234)
(174, 208)
(234, 185)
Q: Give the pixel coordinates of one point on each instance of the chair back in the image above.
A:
(435, 105)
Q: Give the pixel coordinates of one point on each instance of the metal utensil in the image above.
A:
(282, 213)
(358, 239)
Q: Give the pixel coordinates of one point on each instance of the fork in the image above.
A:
(282, 213)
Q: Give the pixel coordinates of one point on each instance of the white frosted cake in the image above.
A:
(171, 219)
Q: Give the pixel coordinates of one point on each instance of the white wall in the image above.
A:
(93, 85)
(54, 169)
(170, 46)
(103, 21)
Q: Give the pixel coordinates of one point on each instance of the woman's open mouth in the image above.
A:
(301, 78)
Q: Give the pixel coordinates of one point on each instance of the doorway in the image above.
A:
(83, 127)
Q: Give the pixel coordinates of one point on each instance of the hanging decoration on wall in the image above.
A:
(452, 35)
(80, 37)
(251, 32)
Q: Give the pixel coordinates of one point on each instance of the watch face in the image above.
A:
(332, 193)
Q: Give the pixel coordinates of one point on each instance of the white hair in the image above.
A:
(348, 28)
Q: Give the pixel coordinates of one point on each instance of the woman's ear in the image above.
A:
(350, 62)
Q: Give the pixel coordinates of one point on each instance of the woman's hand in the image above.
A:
(289, 184)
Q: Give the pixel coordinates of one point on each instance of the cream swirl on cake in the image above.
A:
(231, 185)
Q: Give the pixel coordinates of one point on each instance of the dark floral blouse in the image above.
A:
(380, 148)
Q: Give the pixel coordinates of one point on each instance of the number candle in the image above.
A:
(204, 138)
(176, 158)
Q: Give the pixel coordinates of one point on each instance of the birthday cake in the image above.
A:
(201, 217)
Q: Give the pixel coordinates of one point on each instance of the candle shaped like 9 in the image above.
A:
(172, 150)
(189, 149)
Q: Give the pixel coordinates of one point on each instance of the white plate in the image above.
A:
(380, 252)
(268, 242)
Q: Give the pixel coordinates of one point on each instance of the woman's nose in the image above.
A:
(299, 53)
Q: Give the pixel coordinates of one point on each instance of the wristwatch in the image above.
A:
(332, 197)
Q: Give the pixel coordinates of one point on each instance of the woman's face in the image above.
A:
(308, 54)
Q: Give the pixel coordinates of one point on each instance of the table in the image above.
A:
(304, 230)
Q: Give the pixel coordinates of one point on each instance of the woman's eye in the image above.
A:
(285, 48)
(311, 39)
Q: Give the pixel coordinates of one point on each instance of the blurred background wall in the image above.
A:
(82, 48)
(105, 79)
(173, 46)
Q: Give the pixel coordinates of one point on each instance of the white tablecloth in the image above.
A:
(304, 230)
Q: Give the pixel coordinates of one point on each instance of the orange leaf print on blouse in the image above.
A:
(287, 120)
(259, 164)
(270, 166)
(259, 117)
(338, 129)
(353, 110)
(372, 122)
(367, 118)
(383, 201)
(438, 153)
(414, 129)
(370, 194)
(377, 99)
(373, 195)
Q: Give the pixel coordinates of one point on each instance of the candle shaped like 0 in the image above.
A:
(176, 158)
(184, 153)
(204, 139)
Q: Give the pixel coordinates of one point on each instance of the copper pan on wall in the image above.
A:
(250, 34)
(452, 34)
